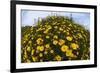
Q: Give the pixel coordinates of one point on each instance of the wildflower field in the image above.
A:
(54, 38)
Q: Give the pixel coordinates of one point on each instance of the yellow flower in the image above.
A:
(34, 59)
(26, 36)
(55, 42)
(30, 42)
(69, 38)
(55, 37)
(28, 61)
(68, 33)
(70, 24)
(41, 60)
(46, 31)
(64, 48)
(40, 48)
(47, 46)
(28, 49)
(40, 55)
(37, 51)
(24, 42)
(60, 29)
(58, 32)
(69, 28)
(32, 52)
(77, 53)
(47, 37)
(43, 28)
(49, 27)
(45, 52)
(61, 42)
(82, 31)
(25, 54)
(39, 41)
(79, 34)
(23, 58)
(58, 58)
(39, 35)
(39, 29)
(55, 23)
(63, 22)
(51, 51)
(64, 31)
(74, 46)
(70, 54)
(55, 27)
(32, 38)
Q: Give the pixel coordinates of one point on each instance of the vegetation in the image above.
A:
(55, 38)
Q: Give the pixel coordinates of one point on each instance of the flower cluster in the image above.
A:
(54, 38)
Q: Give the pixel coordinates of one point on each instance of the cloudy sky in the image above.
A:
(30, 17)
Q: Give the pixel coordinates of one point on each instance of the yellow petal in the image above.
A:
(64, 48)
(69, 38)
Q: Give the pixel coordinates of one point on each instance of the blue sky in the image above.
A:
(30, 17)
